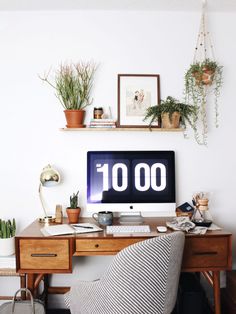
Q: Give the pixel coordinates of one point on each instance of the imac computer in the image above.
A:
(131, 181)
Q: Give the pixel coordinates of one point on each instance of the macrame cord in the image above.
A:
(204, 50)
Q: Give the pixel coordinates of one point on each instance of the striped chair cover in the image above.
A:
(142, 279)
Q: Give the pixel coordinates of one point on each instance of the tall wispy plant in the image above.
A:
(73, 84)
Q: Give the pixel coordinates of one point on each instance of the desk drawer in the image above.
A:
(104, 245)
(206, 252)
(46, 254)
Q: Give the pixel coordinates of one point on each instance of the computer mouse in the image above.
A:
(161, 228)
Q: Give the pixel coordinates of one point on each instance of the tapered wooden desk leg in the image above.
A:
(30, 282)
(23, 285)
(216, 287)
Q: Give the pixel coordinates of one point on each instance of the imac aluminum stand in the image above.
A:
(130, 218)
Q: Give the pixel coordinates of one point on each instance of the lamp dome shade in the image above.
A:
(49, 177)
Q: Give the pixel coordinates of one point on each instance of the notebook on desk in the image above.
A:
(69, 229)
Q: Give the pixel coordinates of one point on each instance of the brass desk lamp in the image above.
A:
(48, 177)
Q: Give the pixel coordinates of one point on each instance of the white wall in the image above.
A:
(121, 42)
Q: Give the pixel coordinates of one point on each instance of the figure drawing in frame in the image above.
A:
(137, 101)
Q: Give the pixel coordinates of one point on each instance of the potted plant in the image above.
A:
(171, 113)
(200, 79)
(73, 211)
(7, 237)
(73, 83)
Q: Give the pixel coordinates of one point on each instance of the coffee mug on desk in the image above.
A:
(103, 218)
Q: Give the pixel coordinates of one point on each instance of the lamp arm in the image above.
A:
(41, 199)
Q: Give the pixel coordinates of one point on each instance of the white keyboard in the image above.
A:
(128, 229)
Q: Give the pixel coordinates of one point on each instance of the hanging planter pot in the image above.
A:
(207, 76)
(202, 80)
(204, 77)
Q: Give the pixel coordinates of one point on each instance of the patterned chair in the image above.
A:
(142, 279)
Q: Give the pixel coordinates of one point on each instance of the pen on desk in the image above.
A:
(85, 227)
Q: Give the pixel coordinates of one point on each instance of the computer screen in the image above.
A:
(126, 181)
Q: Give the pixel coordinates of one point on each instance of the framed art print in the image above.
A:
(136, 93)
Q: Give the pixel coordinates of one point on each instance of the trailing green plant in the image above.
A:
(200, 79)
(188, 113)
(73, 84)
(7, 228)
(74, 200)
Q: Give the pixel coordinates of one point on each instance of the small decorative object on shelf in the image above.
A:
(73, 211)
(7, 237)
(171, 112)
(203, 78)
(97, 113)
(73, 84)
(102, 123)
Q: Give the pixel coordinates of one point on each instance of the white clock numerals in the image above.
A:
(124, 171)
(104, 169)
(162, 185)
(137, 176)
(150, 177)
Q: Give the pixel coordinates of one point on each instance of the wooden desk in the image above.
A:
(37, 255)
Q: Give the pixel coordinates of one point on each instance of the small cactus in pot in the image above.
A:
(7, 237)
(74, 200)
(7, 228)
(73, 211)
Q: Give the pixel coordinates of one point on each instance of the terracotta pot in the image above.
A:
(73, 214)
(75, 118)
(168, 123)
(206, 78)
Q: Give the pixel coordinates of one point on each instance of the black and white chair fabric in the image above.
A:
(142, 279)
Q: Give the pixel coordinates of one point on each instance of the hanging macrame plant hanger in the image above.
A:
(204, 48)
(203, 77)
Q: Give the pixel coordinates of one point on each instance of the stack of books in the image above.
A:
(102, 123)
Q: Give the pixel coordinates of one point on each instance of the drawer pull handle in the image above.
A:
(96, 245)
(44, 255)
(206, 253)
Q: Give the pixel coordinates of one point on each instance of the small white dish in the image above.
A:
(161, 229)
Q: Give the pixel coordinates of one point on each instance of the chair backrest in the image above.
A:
(143, 278)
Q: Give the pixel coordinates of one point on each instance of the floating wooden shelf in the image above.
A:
(121, 129)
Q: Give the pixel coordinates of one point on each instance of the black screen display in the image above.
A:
(131, 177)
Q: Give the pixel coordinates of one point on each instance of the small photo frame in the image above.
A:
(136, 93)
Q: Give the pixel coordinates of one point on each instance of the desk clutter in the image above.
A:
(64, 229)
(186, 225)
(176, 224)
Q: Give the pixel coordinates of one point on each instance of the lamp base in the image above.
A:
(47, 219)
